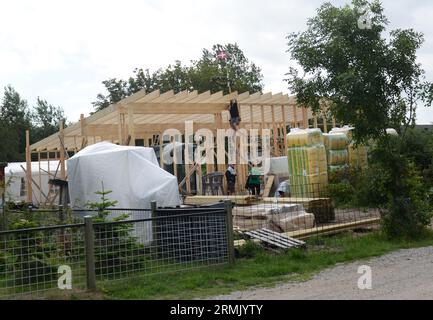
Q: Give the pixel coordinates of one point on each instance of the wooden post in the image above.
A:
(89, 247)
(295, 116)
(120, 127)
(334, 122)
(83, 131)
(153, 214)
(40, 176)
(283, 113)
(161, 151)
(229, 227)
(62, 151)
(315, 121)
(131, 126)
(220, 154)
(173, 139)
(29, 169)
(275, 132)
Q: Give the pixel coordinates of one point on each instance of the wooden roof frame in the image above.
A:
(155, 111)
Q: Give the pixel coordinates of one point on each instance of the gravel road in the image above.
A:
(403, 274)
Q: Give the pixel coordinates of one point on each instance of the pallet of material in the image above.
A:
(322, 208)
(238, 200)
(325, 230)
(278, 217)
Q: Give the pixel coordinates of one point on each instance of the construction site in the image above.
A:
(174, 171)
(304, 149)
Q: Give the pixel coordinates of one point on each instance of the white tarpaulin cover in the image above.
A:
(132, 173)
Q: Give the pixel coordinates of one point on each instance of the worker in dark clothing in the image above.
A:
(235, 118)
(231, 179)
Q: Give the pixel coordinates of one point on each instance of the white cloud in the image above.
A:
(62, 50)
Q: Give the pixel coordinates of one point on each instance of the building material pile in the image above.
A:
(357, 154)
(278, 217)
(306, 155)
(337, 153)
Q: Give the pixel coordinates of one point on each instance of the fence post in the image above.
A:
(229, 227)
(89, 248)
(5, 223)
(153, 207)
(61, 214)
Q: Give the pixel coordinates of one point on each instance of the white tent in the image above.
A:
(131, 173)
(15, 177)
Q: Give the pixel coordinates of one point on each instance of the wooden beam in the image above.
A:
(83, 131)
(178, 108)
(275, 131)
(131, 127)
(284, 130)
(62, 151)
(29, 169)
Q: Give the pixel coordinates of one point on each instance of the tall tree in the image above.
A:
(369, 81)
(45, 119)
(15, 119)
(372, 82)
(207, 73)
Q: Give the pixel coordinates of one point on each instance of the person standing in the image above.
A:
(253, 181)
(231, 179)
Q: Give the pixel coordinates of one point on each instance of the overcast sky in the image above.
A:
(63, 50)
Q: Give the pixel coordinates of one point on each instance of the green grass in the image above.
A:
(258, 268)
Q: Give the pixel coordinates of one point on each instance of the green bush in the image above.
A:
(394, 184)
(342, 194)
(30, 255)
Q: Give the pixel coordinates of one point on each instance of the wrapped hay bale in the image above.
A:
(304, 137)
(358, 156)
(392, 132)
(335, 141)
(307, 170)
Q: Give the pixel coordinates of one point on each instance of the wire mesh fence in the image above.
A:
(172, 240)
(33, 260)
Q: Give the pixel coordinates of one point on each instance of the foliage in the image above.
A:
(367, 80)
(341, 193)
(14, 120)
(398, 188)
(372, 83)
(207, 73)
(45, 118)
(116, 250)
(16, 117)
(103, 205)
(29, 255)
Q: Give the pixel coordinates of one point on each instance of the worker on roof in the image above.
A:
(235, 118)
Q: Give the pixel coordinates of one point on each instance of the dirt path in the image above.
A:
(404, 274)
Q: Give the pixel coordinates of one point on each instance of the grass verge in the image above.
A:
(258, 268)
